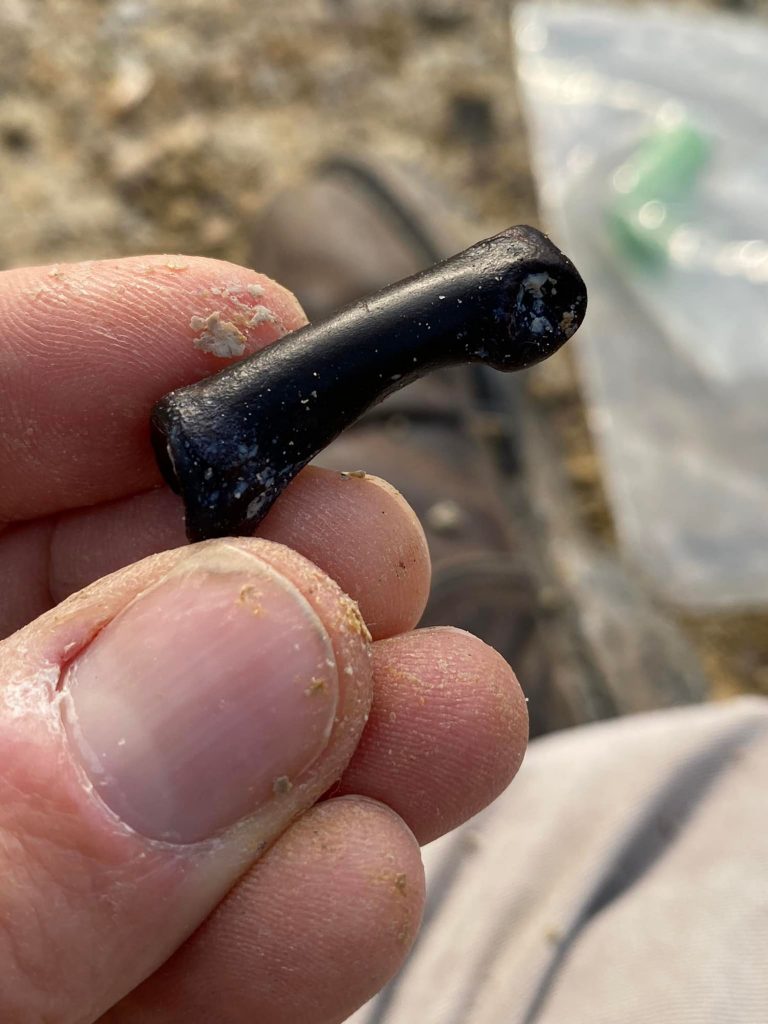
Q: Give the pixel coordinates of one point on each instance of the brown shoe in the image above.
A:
(449, 443)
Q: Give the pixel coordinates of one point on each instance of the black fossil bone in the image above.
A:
(230, 444)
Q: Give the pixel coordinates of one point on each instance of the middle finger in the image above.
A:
(361, 532)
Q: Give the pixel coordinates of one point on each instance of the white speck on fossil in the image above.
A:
(568, 323)
(535, 282)
(540, 324)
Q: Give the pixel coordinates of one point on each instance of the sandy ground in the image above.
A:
(128, 126)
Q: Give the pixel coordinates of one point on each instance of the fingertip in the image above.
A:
(372, 860)
(315, 929)
(241, 289)
(453, 711)
(470, 683)
(476, 660)
(360, 531)
(126, 332)
(365, 536)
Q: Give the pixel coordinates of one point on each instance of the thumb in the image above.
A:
(157, 731)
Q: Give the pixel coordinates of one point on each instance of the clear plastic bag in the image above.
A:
(649, 133)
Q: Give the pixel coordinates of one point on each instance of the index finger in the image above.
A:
(87, 348)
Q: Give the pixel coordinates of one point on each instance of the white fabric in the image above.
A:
(621, 879)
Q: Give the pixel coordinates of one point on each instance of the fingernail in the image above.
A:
(203, 699)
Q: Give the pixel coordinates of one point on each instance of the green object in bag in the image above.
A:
(650, 188)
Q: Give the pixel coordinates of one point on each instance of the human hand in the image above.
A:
(167, 732)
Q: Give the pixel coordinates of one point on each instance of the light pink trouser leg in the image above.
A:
(621, 879)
